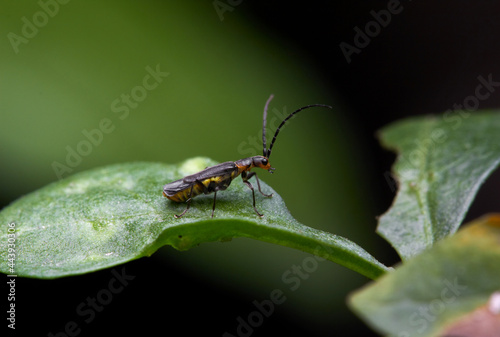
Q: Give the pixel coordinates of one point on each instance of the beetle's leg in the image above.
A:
(177, 216)
(250, 175)
(244, 176)
(206, 191)
(188, 204)
(213, 208)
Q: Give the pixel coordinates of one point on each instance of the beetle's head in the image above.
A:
(263, 163)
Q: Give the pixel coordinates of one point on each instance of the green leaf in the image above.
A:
(111, 215)
(441, 163)
(439, 288)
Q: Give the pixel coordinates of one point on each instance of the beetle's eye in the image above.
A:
(264, 161)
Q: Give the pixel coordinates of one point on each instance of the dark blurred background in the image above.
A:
(66, 67)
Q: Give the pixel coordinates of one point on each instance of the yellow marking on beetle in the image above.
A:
(183, 195)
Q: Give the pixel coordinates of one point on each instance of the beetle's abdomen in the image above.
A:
(180, 191)
(183, 195)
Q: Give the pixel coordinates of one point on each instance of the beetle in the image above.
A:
(218, 178)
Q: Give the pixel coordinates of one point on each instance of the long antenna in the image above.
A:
(264, 125)
(268, 152)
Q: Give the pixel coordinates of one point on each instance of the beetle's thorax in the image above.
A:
(244, 164)
(247, 164)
